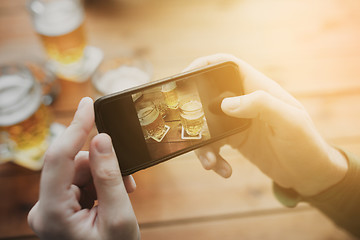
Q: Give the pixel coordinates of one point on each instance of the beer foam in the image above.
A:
(12, 88)
(194, 116)
(122, 78)
(147, 115)
(18, 100)
(191, 106)
(58, 18)
(168, 87)
(194, 109)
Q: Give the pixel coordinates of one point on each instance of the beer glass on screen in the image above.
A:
(24, 120)
(191, 115)
(170, 95)
(60, 26)
(151, 120)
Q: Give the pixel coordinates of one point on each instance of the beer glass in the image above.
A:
(191, 115)
(151, 120)
(60, 26)
(170, 95)
(24, 120)
(159, 102)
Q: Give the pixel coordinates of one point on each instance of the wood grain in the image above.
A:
(312, 48)
(299, 224)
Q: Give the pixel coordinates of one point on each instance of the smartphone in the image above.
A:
(157, 121)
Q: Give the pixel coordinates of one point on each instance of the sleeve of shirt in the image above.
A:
(340, 202)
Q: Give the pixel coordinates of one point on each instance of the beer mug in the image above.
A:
(159, 101)
(191, 115)
(151, 120)
(60, 26)
(24, 120)
(170, 95)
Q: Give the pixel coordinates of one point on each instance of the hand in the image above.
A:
(72, 179)
(282, 140)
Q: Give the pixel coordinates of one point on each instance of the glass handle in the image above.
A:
(6, 148)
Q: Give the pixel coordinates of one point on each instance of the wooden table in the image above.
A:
(312, 48)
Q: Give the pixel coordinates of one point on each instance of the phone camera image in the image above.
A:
(171, 117)
(151, 120)
(170, 94)
(160, 120)
(192, 115)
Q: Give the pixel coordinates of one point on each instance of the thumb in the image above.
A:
(112, 196)
(260, 105)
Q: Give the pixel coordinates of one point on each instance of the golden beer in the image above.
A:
(159, 101)
(30, 135)
(151, 121)
(170, 95)
(60, 25)
(192, 116)
(67, 48)
(25, 122)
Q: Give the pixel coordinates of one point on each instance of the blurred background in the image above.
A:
(311, 48)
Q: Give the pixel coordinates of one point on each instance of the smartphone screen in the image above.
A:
(158, 121)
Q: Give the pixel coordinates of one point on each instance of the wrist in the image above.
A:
(327, 175)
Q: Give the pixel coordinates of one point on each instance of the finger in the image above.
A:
(208, 154)
(84, 181)
(207, 157)
(222, 167)
(58, 171)
(251, 78)
(112, 196)
(76, 191)
(82, 169)
(211, 160)
(83, 176)
(31, 218)
(263, 106)
(130, 184)
(212, 59)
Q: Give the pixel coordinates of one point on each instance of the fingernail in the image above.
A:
(204, 160)
(223, 172)
(210, 157)
(82, 102)
(132, 181)
(104, 144)
(230, 104)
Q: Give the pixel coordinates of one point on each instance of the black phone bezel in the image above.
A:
(115, 96)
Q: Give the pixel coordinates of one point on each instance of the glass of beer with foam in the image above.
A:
(191, 115)
(151, 120)
(24, 119)
(60, 26)
(170, 95)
